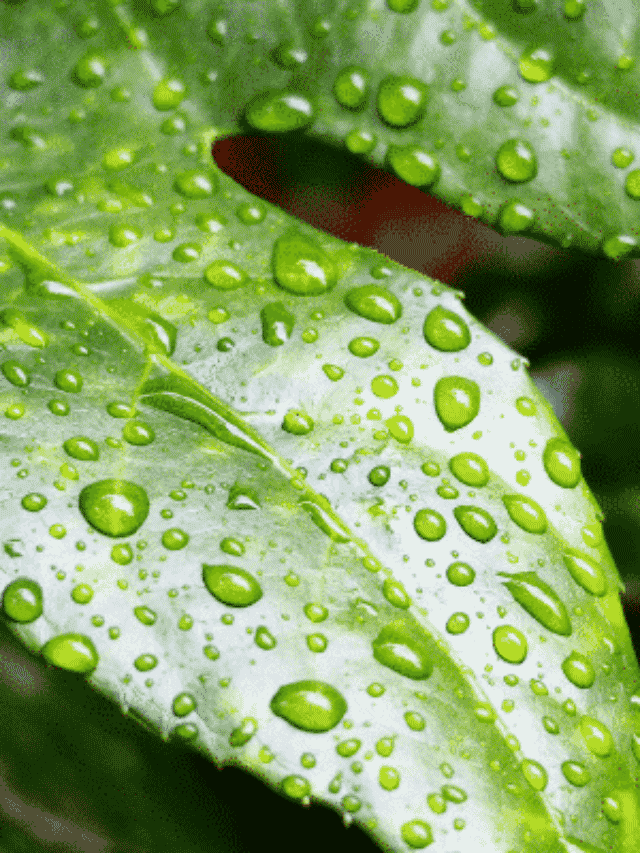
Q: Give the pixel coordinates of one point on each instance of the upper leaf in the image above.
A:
(266, 490)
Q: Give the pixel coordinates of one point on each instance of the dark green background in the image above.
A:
(77, 775)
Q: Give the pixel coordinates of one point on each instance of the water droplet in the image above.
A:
(515, 217)
(243, 497)
(360, 141)
(460, 574)
(535, 774)
(454, 794)
(25, 79)
(618, 246)
(175, 539)
(476, 522)
(416, 834)
(388, 778)
(526, 513)
(33, 502)
(251, 213)
(90, 71)
(83, 448)
(16, 373)
(506, 96)
(280, 112)
(516, 161)
(231, 585)
(27, 331)
(22, 600)
(244, 732)
(301, 266)
(445, 330)
(596, 736)
(297, 423)
(138, 433)
(562, 463)
(124, 235)
(401, 100)
(379, 475)
(539, 600)
(374, 302)
(525, 406)
(413, 164)
(457, 623)
(277, 323)
(73, 652)
(122, 554)
(350, 87)
(225, 275)
(402, 7)
(82, 593)
(429, 524)
(183, 704)
(536, 65)
(401, 428)
(187, 399)
(264, 639)
(315, 612)
(622, 157)
(585, 571)
(313, 706)
(195, 184)
(145, 615)
(322, 516)
(169, 93)
(114, 507)
(400, 647)
(396, 594)
(457, 401)
(144, 663)
(364, 347)
(579, 670)
(68, 380)
(576, 773)
(470, 469)
(510, 644)
(611, 809)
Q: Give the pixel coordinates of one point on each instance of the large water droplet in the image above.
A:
(374, 302)
(277, 324)
(400, 647)
(510, 643)
(446, 331)
(401, 100)
(313, 706)
(280, 112)
(22, 600)
(562, 463)
(516, 161)
(539, 600)
(476, 522)
(526, 513)
(585, 571)
(457, 401)
(114, 507)
(301, 266)
(231, 585)
(74, 652)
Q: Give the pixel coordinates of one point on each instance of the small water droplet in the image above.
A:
(535, 774)
(596, 736)
(515, 217)
(364, 347)
(168, 93)
(277, 324)
(576, 773)
(457, 401)
(33, 502)
(416, 834)
(16, 373)
(536, 65)
(350, 87)
(309, 705)
(183, 704)
(90, 71)
(27, 331)
(195, 184)
(457, 623)
(470, 469)
(460, 574)
(231, 585)
(82, 448)
(396, 594)
(506, 96)
(114, 507)
(297, 423)
(413, 164)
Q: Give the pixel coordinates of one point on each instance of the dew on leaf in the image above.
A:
(250, 213)
(429, 524)
(460, 574)
(526, 513)
(350, 87)
(515, 217)
(401, 428)
(436, 803)
(457, 623)
(416, 834)
(16, 373)
(379, 475)
(138, 433)
(187, 252)
(114, 507)
(122, 554)
(510, 644)
(413, 164)
(597, 737)
(90, 71)
(579, 670)
(536, 65)
(585, 571)
(470, 469)
(277, 323)
(506, 96)
(232, 547)
(309, 705)
(445, 330)
(33, 502)
(82, 593)
(363, 347)
(315, 612)
(301, 266)
(231, 585)
(183, 704)
(360, 141)
(539, 600)
(145, 615)
(295, 787)
(576, 773)
(120, 410)
(388, 778)
(82, 448)
(27, 331)
(25, 79)
(280, 112)
(526, 406)
(562, 463)
(297, 423)
(73, 652)
(243, 497)
(146, 662)
(516, 161)
(622, 157)
(401, 100)
(396, 594)
(168, 93)
(403, 7)
(195, 184)
(476, 522)
(374, 302)
(535, 774)
(22, 600)
(457, 401)
(264, 639)
(175, 539)
(401, 648)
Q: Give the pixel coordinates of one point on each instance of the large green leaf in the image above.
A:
(273, 494)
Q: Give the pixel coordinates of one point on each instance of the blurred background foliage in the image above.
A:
(75, 775)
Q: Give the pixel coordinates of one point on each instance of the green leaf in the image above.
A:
(278, 497)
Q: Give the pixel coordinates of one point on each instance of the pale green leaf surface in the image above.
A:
(258, 423)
